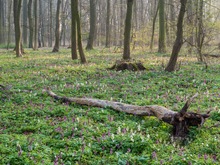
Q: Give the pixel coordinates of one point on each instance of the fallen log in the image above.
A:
(212, 55)
(181, 121)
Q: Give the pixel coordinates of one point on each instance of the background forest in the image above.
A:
(151, 54)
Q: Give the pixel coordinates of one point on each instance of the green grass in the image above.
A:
(35, 129)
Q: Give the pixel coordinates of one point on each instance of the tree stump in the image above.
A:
(131, 65)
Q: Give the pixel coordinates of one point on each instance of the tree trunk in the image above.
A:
(78, 22)
(153, 28)
(181, 121)
(17, 12)
(172, 14)
(25, 12)
(35, 25)
(190, 22)
(162, 45)
(127, 32)
(107, 42)
(51, 23)
(121, 23)
(93, 19)
(30, 20)
(200, 35)
(41, 31)
(179, 38)
(73, 30)
(9, 23)
(1, 22)
(57, 31)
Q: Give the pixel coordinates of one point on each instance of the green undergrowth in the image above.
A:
(35, 129)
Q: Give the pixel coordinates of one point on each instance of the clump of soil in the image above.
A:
(130, 65)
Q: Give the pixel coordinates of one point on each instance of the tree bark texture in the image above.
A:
(57, 31)
(190, 22)
(30, 21)
(162, 45)
(35, 25)
(181, 121)
(127, 32)
(80, 47)
(50, 37)
(73, 30)
(1, 22)
(107, 42)
(41, 22)
(93, 19)
(179, 38)
(25, 25)
(200, 35)
(153, 28)
(17, 13)
(9, 21)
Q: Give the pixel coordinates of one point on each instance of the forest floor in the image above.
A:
(35, 129)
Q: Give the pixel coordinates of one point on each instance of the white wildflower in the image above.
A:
(119, 130)
(112, 136)
(139, 127)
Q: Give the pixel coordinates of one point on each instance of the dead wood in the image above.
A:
(130, 65)
(212, 55)
(181, 121)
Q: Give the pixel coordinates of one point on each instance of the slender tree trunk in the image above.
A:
(25, 12)
(121, 22)
(200, 35)
(190, 22)
(153, 28)
(17, 12)
(78, 22)
(93, 20)
(127, 32)
(172, 28)
(41, 31)
(30, 20)
(57, 31)
(9, 23)
(73, 30)
(35, 25)
(107, 43)
(1, 22)
(162, 45)
(179, 38)
(51, 23)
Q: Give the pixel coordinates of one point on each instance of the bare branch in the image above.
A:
(187, 104)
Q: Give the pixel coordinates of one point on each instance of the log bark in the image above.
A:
(181, 121)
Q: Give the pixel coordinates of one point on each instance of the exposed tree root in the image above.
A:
(55, 50)
(181, 121)
(130, 65)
